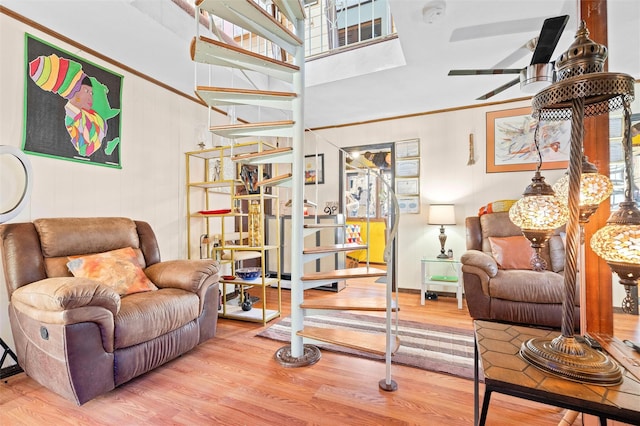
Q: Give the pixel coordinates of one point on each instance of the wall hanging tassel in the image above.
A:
(472, 159)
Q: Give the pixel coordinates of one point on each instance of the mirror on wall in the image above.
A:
(366, 173)
(366, 193)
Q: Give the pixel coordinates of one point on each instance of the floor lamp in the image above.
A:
(582, 89)
(594, 189)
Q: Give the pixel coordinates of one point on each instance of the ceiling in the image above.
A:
(407, 75)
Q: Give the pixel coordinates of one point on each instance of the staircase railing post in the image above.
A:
(297, 213)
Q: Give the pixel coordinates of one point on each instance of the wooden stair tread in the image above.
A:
(343, 274)
(292, 9)
(324, 225)
(269, 153)
(307, 203)
(252, 125)
(374, 343)
(250, 16)
(218, 96)
(275, 180)
(375, 304)
(270, 128)
(334, 248)
(210, 51)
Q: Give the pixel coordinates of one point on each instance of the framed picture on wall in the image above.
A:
(410, 186)
(313, 169)
(409, 204)
(71, 106)
(408, 149)
(511, 146)
(408, 168)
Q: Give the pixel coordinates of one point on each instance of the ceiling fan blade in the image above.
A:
(499, 89)
(548, 40)
(495, 29)
(485, 72)
(515, 56)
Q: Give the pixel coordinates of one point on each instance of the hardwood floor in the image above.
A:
(233, 379)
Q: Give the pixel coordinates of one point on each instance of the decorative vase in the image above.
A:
(255, 225)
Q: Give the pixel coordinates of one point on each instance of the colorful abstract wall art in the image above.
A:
(511, 146)
(72, 107)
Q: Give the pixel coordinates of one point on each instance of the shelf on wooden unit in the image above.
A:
(257, 282)
(233, 311)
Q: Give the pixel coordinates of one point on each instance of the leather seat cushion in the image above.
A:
(145, 316)
(528, 286)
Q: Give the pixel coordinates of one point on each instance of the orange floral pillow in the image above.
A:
(512, 252)
(119, 269)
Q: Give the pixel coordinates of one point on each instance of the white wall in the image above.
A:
(158, 126)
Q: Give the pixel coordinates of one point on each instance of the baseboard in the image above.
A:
(618, 310)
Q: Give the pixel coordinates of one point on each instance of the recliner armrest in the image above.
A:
(69, 300)
(480, 260)
(189, 275)
(65, 293)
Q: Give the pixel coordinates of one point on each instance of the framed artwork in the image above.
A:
(71, 107)
(511, 145)
(408, 149)
(410, 186)
(408, 168)
(409, 204)
(313, 169)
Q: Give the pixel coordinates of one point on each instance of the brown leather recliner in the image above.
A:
(515, 295)
(78, 337)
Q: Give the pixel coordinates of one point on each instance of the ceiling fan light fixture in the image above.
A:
(536, 77)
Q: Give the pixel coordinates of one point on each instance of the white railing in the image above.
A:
(336, 24)
(331, 25)
(388, 204)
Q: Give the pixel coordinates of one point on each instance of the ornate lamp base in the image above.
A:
(570, 359)
(310, 355)
(443, 239)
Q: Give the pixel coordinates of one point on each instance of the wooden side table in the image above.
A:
(449, 274)
(497, 354)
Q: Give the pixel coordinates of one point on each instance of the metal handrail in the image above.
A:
(393, 221)
(393, 209)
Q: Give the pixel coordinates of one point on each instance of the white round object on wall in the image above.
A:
(15, 196)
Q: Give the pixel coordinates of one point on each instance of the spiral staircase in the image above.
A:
(282, 24)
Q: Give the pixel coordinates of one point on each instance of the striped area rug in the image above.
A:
(426, 346)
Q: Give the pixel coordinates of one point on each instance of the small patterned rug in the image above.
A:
(429, 347)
